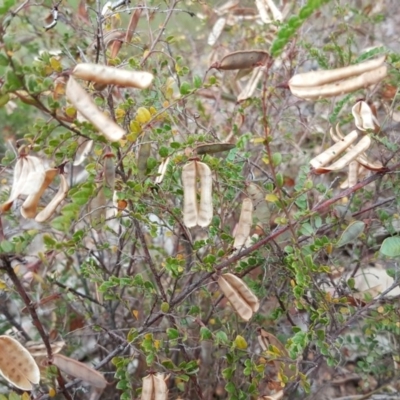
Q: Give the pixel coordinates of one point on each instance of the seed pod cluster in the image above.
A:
(154, 387)
(364, 117)
(323, 84)
(197, 213)
(17, 365)
(242, 299)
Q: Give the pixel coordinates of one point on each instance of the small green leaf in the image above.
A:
(163, 152)
(391, 247)
(172, 333)
(197, 82)
(351, 233)
(185, 88)
(6, 247)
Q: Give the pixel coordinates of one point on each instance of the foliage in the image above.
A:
(116, 275)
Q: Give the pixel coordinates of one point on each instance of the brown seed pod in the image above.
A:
(242, 60)
(212, 148)
(154, 387)
(242, 299)
(113, 76)
(17, 365)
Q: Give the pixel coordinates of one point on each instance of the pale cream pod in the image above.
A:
(205, 210)
(49, 210)
(364, 117)
(242, 231)
(328, 155)
(160, 387)
(79, 370)
(242, 299)
(339, 88)
(147, 388)
(85, 105)
(113, 76)
(17, 365)
(190, 210)
(29, 206)
(216, 31)
(351, 155)
(317, 78)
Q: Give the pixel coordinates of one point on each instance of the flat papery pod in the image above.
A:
(243, 228)
(83, 150)
(190, 208)
(318, 78)
(109, 170)
(85, 105)
(261, 213)
(143, 156)
(79, 370)
(262, 10)
(39, 349)
(17, 365)
(50, 209)
(352, 176)
(276, 14)
(29, 206)
(205, 210)
(340, 88)
(266, 339)
(372, 166)
(242, 299)
(227, 7)
(212, 148)
(375, 279)
(162, 169)
(113, 76)
(276, 396)
(29, 174)
(133, 22)
(216, 31)
(364, 117)
(243, 59)
(251, 85)
(160, 387)
(147, 388)
(97, 206)
(334, 151)
(351, 155)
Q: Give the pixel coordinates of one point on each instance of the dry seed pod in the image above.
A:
(341, 87)
(266, 339)
(364, 117)
(147, 388)
(242, 231)
(85, 105)
(49, 210)
(212, 148)
(109, 170)
(205, 210)
(38, 349)
(276, 14)
(242, 299)
(17, 365)
(353, 173)
(83, 150)
(113, 76)
(261, 211)
(251, 85)
(351, 155)
(275, 396)
(160, 387)
(328, 155)
(190, 210)
(262, 10)
(216, 31)
(29, 206)
(317, 78)
(79, 370)
(162, 169)
(242, 60)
